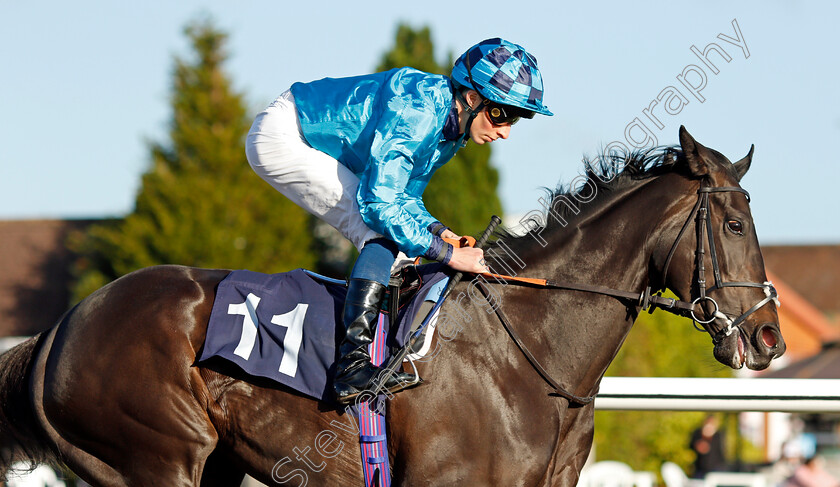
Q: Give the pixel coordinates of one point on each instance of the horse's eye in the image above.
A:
(735, 227)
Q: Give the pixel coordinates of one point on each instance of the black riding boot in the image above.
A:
(354, 372)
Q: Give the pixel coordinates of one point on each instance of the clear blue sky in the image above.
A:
(85, 86)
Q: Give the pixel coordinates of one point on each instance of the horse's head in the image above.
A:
(708, 254)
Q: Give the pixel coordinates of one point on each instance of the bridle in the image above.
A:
(703, 218)
(646, 300)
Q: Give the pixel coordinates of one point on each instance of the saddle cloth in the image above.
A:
(286, 327)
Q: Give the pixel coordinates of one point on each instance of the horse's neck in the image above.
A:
(607, 246)
(576, 335)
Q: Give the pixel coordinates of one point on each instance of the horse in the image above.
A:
(114, 392)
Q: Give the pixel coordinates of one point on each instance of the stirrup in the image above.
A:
(374, 386)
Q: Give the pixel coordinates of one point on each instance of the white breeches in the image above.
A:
(310, 178)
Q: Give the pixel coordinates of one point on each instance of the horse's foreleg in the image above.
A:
(219, 471)
(573, 447)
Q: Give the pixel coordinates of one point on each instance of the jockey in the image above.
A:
(358, 152)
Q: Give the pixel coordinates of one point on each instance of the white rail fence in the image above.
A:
(704, 394)
(698, 394)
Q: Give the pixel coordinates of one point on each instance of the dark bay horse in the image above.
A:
(113, 390)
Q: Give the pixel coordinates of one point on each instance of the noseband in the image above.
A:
(703, 219)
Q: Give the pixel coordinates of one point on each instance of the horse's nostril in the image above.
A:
(768, 337)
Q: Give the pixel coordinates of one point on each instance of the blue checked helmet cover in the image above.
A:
(502, 72)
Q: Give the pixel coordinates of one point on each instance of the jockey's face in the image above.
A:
(483, 130)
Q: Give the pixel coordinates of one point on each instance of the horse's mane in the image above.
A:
(609, 172)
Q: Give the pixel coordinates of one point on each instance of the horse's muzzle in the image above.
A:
(755, 349)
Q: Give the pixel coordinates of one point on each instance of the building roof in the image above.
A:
(813, 271)
(823, 365)
(805, 328)
(35, 264)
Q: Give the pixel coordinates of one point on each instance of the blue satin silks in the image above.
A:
(388, 128)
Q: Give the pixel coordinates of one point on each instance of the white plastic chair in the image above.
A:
(607, 474)
(674, 476)
(43, 476)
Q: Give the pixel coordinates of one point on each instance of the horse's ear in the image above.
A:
(700, 159)
(743, 165)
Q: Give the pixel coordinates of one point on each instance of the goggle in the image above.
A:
(504, 114)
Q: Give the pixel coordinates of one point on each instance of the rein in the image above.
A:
(558, 388)
(646, 300)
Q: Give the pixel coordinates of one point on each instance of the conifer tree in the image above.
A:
(199, 204)
(462, 193)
